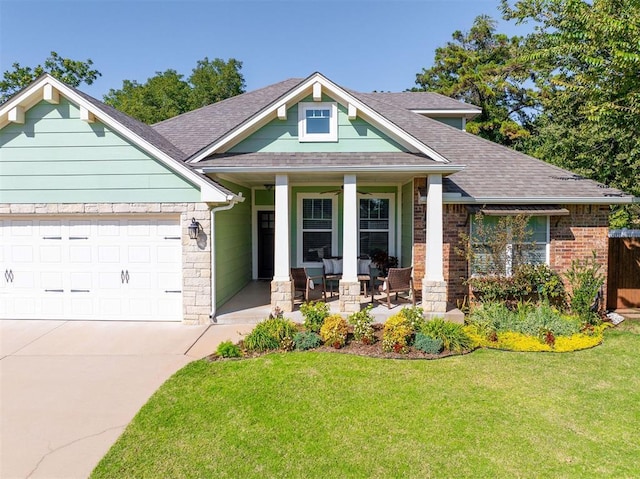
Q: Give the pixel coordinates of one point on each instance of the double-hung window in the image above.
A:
(497, 250)
(317, 121)
(317, 233)
(376, 225)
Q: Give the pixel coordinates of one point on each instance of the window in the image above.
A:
(376, 225)
(318, 121)
(499, 244)
(317, 232)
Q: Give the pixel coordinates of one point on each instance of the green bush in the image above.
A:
(493, 288)
(586, 280)
(227, 349)
(362, 328)
(270, 334)
(314, 314)
(334, 331)
(415, 316)
(427, 344)
(527, 318)
(306, 340)
(451, 334)
(540, 282)
(396, 334)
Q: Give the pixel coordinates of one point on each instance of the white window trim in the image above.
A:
(303, 136)
(299, 229)
(547, 259)
(392, 219)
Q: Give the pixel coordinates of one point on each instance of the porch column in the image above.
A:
(281, 286)
(349, 284)
(434, 288)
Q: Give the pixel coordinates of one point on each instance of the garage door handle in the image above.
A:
(80, 291)
(8, 275)
(78, 237)
(126, 276)
(172, 237)
(54, 290)
(172, 291)
(52, 237)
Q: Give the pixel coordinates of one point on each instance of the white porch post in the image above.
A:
(434, 288)
(349, 284)
(281, 285)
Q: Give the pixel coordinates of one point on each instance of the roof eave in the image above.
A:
(428, 169)
(453, 198)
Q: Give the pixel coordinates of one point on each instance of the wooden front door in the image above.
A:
(266, 235)
(623, 288)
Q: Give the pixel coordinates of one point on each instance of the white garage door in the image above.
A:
(91, 268)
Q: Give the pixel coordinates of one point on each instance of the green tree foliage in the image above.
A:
(168, 93)
(71, 72)
(587, 55)
(482, 67)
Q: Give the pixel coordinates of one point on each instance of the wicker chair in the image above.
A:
(398, 280)
(303, 282)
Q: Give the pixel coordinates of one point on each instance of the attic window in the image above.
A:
(318, 121)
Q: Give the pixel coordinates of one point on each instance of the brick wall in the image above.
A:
(575, 236)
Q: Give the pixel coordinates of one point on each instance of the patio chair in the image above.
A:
(304, 283)
(331, 272)
(398, 280)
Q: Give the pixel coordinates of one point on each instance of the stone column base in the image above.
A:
(349, 301)
(434, 296)
(282, 293)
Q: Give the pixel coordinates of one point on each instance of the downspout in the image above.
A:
(235, 200)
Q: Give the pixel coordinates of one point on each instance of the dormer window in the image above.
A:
(318, 121)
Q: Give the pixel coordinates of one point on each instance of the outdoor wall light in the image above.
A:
(269, 186)
(422, 196)
(194, 229)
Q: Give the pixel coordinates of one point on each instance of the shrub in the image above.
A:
(541, 282)
(314, 314)
(362, 329)
(493, 288)
(451, 334)
(415, 316)
(334, 331)
(306, 340)
(271, 334)
(585, 280)
(427, 344)
(396, 334)
(227, 349)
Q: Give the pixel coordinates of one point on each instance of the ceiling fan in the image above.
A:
(341, 190)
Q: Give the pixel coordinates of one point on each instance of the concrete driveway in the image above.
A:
(69, 388)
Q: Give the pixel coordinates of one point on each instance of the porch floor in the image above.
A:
(252, 304)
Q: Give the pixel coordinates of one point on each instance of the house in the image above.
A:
(96, 207)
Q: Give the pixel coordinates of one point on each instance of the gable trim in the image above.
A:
(39, 90)
(269, 113)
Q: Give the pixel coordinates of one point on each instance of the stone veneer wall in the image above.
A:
(196, 255)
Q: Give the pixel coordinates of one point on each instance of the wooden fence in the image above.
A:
(623, 285)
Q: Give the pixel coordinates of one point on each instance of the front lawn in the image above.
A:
(307, 415)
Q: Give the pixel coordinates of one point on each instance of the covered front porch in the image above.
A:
(253, 304)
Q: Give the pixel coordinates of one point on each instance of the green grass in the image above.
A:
(313, 415)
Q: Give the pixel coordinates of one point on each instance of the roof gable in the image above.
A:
(316, 85)
(48, 89)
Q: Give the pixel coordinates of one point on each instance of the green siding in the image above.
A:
(233, 246)
(264, 197)
(407, 224)
(455, 122)
(54, 157)
(282, 136)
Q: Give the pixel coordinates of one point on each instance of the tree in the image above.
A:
(481, 67)
(71, 72)
(588, 58)
(167, 94)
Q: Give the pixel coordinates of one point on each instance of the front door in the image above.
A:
(266, 235)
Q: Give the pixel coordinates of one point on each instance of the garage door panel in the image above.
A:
(92, 268)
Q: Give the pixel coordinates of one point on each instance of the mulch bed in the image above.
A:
(358, 349)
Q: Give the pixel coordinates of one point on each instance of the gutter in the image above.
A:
(449, 198)
(332, 168)
(233, 200)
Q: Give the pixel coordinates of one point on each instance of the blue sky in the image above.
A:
(363, 45)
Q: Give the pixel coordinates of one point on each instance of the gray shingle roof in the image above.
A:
(423, 101)
(197, 129)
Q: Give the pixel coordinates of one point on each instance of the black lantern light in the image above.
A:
(194, 229)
